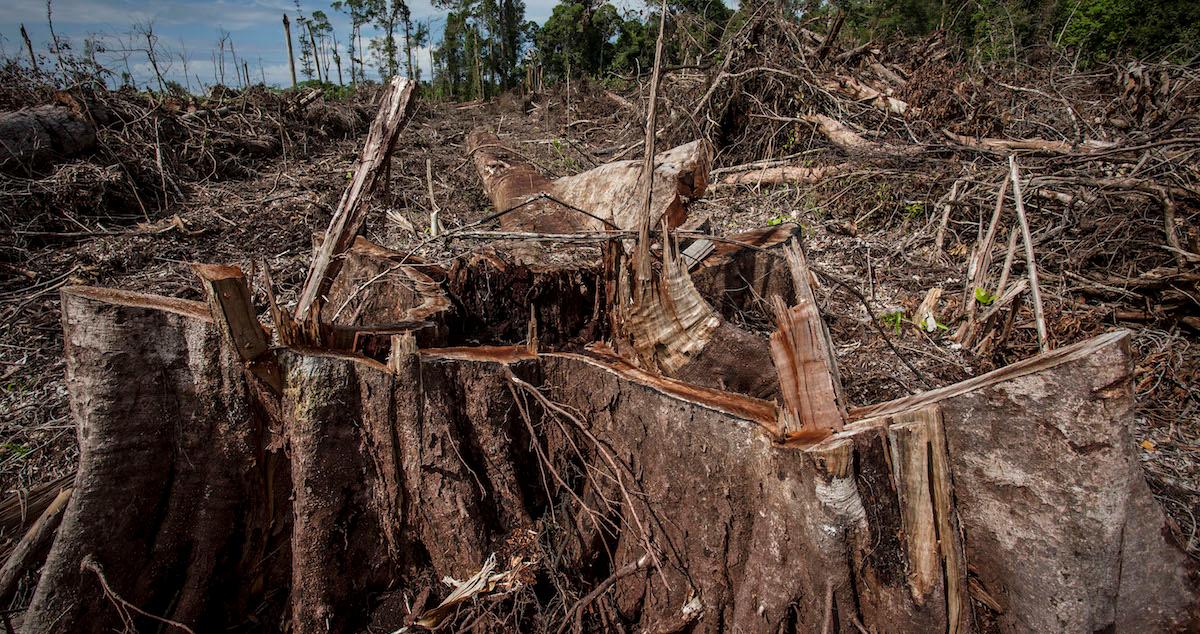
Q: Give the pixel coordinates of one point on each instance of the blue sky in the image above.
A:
(191, 28)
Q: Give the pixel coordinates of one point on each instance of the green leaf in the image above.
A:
(984, 297)
(894, 319)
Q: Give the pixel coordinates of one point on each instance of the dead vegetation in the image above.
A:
(904, 172)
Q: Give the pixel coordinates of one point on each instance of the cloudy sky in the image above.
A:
(190, 29)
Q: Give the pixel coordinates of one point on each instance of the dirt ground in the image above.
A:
(874, 229)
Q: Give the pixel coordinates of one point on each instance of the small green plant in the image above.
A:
(930, 323)
(984, 297)
(567, 162)
(894, 320)
(17, 449)
(16, 386)
(795, 137)
(914, 209)
(778, 220)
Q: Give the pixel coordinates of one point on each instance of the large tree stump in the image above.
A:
(1061, 531)
(938, 512)
(171, 500)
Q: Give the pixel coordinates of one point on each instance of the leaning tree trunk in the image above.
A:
(559, 431)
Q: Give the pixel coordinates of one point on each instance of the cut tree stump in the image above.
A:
(602, 449)
(173, 495)
(1010, 502)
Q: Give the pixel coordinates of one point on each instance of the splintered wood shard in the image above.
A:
(806, 380)
(802, 351)
(351, 211)
(670, 322)
(666, 326)
(232, 310)
(229, 302)
(605, 197)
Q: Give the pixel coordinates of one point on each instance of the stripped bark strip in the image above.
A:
(351, 212)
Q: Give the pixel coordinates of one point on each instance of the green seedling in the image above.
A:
(984, 297)
(894, 320)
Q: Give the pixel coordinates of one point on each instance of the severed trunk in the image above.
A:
(602, 198)
(371, 476)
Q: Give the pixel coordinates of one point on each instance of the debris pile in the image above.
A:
(617, 401)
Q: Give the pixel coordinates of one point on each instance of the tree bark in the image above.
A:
(1030, 447)
(172, 496)
(34, 138)
(907, 520)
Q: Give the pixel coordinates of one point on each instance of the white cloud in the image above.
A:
(191, 28)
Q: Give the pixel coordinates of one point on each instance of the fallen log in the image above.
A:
(858, 91)
(784, 174)
(33, 138)
(604, 197)
(850, 141)
(1034, 145)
